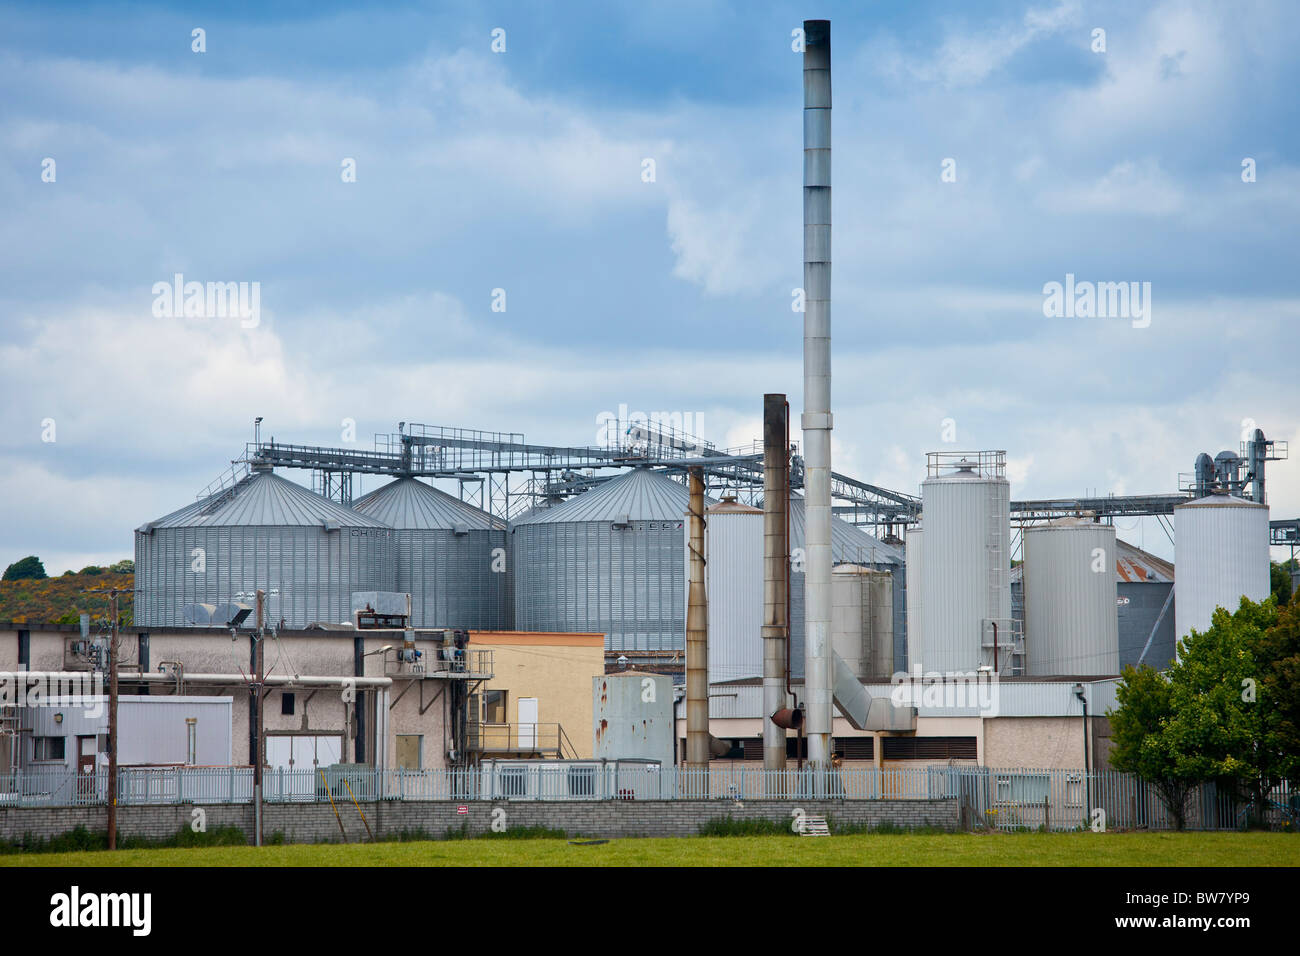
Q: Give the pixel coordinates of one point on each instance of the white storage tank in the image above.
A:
(862, 619)
(1220, 555)
(965, 584)
(733, 581)
(915, 562)
(633, 717)
(1071, 619)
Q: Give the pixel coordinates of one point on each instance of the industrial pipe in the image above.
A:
(697, 635)
(817, 422)
(776, 575)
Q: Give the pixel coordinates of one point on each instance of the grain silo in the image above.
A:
(1071, 623)
(608, 561)
(862, 619)
(307, 552)
(849, 545)
(965, 584)
(450, 556)
(1221, 553)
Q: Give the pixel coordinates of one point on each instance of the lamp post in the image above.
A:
(1087, 763)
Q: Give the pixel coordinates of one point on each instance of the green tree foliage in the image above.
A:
(1280, 582)
(29, 568)
(1225, 711)
(125, 566)
(91, 570)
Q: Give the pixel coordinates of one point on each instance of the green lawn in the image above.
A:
(961, 849)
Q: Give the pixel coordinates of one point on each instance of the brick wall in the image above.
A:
(315, 823)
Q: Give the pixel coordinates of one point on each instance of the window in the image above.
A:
(494, 707)
(48, 748)
(103, 743)
(286, 703)
(191, 741)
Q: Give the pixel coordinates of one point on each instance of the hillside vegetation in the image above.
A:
(62, 600)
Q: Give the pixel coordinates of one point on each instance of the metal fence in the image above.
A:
(1003, 799)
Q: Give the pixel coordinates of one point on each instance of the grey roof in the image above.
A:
(848, 542)
(411, 504)
(264, 499)
(640, 495)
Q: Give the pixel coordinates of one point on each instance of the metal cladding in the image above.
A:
(818, 677)
(633, 717)
(450, 556)
(915, 609)
(965, 574)
(609, 561)
(308, 552)
(849, 544)
(776, 577)
(1221, 553)
(733, 581)
(1071, 620)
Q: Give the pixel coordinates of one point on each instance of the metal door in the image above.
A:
(527, 723)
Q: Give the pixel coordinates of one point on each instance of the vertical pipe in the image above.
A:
(776, 569)
(697, 636)
(817, 386)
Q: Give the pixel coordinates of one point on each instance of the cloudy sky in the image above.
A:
(522, 170)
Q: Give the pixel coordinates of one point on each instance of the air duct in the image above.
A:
(816, 422)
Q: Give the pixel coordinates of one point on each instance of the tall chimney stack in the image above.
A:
(818, 680)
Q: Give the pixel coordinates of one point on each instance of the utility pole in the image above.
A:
(114, 637)
(260, 691)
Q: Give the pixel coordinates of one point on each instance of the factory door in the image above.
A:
(527, 723)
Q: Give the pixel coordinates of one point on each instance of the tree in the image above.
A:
(91, 569)
(125, 566)
(1280, 582)
(29, 568)
(1137, 745)
(1279, 659)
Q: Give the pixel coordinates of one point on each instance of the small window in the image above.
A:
(286, 702)
(191, 740)
(48, 748)
(103, 743)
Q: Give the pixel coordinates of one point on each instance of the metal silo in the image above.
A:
(1071, 621)
(862, 619)
(734, 583)
(308, 552)
(1221, 555)
(608, 561)
(849, 545)
(450, 556)
(965, 587)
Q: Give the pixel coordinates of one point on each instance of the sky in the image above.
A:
(380, 172)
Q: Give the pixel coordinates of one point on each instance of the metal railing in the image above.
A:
(1002, 799)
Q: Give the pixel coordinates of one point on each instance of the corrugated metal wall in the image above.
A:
(1071, 625)
(1221, 552)
(1139, 606)
(451, 580)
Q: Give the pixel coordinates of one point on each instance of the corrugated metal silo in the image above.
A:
(966, 579)
(263, 532)
(1221, 555)
(450, 556)
(1071, 622)
(862, 619)
(609, 561)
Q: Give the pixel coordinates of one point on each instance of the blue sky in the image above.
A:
(522, 171)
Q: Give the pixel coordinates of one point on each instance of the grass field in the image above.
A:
(960, 849)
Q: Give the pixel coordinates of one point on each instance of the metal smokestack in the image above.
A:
(818, 677)
(697, 635)
(776, 573)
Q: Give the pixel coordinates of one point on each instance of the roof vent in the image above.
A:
(460, 528)
(621, 521)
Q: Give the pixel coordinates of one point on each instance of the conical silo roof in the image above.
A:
(264, 499)
(409, 504)
(640, 495)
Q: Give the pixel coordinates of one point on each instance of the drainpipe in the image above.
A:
(776, 575)
(697, 635)
(817, 421)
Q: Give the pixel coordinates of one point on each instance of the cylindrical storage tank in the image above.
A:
(849, 544)
(967, 564)
(608, 561)
(862, 621)
(1220, 556)
(307, 552)
(733, 575)
(450, 556)
(1071, 620)
(915, 626)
